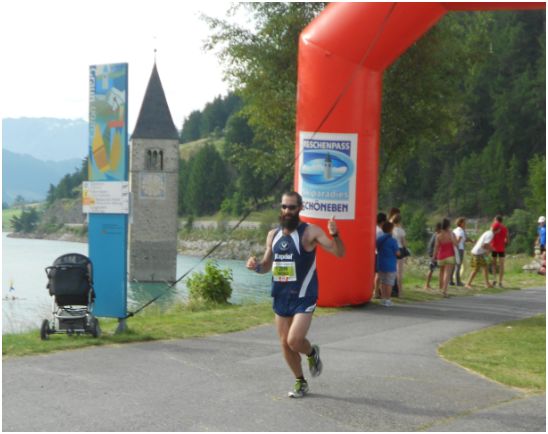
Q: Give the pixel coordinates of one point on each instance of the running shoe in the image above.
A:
(299, 390)
(315, 365)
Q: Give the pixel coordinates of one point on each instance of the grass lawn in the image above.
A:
(152, 324)
(512, 353)
(189, 149)
(7, 215)
(416, 269)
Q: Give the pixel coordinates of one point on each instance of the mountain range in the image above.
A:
(37, 152)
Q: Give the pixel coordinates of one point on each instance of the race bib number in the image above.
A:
(284, 272)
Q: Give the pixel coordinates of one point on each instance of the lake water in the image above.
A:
(24, 261)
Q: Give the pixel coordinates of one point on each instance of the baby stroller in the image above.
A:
(70, 283)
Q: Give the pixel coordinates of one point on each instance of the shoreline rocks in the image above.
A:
(231, 249)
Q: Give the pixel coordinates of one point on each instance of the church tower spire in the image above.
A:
(155, 121)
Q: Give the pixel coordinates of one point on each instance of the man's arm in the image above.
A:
(333, 245)
(265, 265)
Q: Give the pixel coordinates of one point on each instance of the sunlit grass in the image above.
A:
(512, 353)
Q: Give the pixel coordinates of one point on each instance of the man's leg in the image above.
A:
(428, 278)
(486, 274)
(471, 278)
(377, 286)
(495, 263)
(298, 329)
(501, 270)
(293, 359)
(458, 267)
(399, 276)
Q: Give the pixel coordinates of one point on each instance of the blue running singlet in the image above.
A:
(293, 268)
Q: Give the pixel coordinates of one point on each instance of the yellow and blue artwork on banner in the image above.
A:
(108, 123)
(108, 162)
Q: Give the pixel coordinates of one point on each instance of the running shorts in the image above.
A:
(288, 305)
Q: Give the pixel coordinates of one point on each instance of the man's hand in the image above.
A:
(251, 263)
(332, 226)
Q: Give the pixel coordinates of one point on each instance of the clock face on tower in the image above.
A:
(152, 185)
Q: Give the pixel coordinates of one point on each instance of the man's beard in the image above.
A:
(290, 221)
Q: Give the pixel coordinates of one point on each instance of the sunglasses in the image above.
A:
(289, 207)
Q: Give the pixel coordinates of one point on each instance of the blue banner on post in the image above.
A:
(108, 162)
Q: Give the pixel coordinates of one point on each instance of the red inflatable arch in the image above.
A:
(342, 56)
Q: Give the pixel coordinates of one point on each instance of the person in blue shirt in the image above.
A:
(541, 234)
(388, 253)
(291, 256)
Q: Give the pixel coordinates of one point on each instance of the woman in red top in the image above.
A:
(499, 246)
(444, 252)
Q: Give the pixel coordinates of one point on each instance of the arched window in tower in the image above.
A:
(154, 159)
(148, 162)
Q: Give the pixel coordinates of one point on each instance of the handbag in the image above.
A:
(405, 252)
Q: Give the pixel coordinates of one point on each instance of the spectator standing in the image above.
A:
(444, 252)
(399, 235)
(433, 262)
(387, 257)
(498, 246)
(381, 218)
(541, 234)
(462, 237)
(479, 257)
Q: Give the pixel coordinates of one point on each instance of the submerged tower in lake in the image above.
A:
(154, 173)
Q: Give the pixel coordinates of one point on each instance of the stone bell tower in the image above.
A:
(154, 173)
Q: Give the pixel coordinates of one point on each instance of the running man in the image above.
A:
(291, 255)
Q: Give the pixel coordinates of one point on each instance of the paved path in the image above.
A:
(381, 373)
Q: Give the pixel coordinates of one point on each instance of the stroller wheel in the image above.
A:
(44, 330)
(94, 327)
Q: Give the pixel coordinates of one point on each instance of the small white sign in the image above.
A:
(327, 174)
(104, 197)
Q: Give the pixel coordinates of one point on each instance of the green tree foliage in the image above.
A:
(261, 65)
(70, 185)
(521, 231)
(19, 201)
(463, 112)
(26, 221)
(536, 186)
(417, 232)
(214, 285)
(203, 182)
(192, 127)
(214, 116)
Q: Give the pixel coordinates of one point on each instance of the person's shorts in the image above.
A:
(446, 261)
(478, 261)
(433, 265)
(387, 278)
(542, 248)
(497, 254)
(288, 305)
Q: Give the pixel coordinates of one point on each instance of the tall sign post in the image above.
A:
(106, 194)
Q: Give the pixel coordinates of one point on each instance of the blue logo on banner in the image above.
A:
(326, 168)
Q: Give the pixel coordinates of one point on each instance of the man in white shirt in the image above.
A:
(460, 235)
(479, 256)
